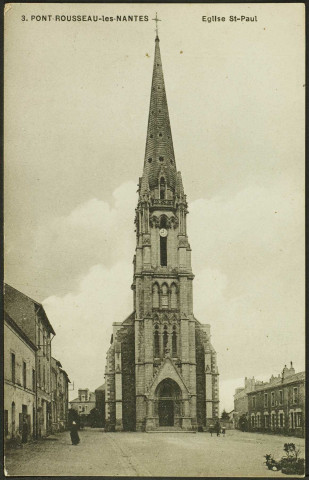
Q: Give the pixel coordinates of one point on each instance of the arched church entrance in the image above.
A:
(168, 396)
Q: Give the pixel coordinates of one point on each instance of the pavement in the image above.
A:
(238, 454)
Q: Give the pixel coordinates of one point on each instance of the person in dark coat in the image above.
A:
(74, 434)
(24, 437)
(217, 428)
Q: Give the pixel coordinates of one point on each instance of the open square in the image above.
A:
(151, 454)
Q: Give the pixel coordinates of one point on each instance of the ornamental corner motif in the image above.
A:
(146, 239)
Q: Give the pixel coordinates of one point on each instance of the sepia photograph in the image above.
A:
(154, 240)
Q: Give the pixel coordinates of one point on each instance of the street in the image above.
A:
(150, 454)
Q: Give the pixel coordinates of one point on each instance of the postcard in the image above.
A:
(154, 239)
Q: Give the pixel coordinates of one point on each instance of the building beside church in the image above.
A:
(83, 404)
(32, 394)
(278, 406)
(59, 396)
(241, 406)
(31, 318)
(161, 368)
(19, 381)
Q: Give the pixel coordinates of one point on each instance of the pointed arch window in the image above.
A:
(165, 338)
(163, 251)
(156, 341)
(174, 299)
(174, 341)
(164, 298)
(155, 296)
(162, 188)
(163, 243)
(163, 221)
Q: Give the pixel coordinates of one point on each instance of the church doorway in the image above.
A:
(166, 413)
(168, 395)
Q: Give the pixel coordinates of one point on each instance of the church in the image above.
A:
(161, 370)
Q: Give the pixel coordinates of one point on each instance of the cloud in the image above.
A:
(83, 321)
(249, 284)
(95, 232)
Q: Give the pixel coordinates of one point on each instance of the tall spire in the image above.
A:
(159, 152)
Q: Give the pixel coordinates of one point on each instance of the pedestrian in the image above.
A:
(74, 434)
(217, 428)
(223, 431)
(211, 429)
(24, 437)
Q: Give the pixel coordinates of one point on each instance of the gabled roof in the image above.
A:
(65, 373)
(129, 319)
(91, 399)
(19, 331)
(56, 362)
(101, 388)
(17, 305)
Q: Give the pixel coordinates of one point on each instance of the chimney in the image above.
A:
(292, 369)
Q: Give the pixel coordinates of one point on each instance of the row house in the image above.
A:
(59, 396)
(19, 382)
(30, 318)
(278, 406)
(241, 402)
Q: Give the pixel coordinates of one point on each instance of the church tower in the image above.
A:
(161, 368)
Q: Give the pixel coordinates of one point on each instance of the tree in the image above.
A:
(94, 418)
(243, 423)
(225, 415)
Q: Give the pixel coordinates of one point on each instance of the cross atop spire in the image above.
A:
(157, 20)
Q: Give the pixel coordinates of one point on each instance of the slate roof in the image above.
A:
(101, 388)
(22, 309)
(19, 331)
(300, 376)
(159, 152)
(91, 399)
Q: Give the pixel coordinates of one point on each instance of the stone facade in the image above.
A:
(31, 320)
(19, 381)
(100, 404)
(278, 406)
(241, 407)
(83, 404)
(30, 316)
(60, 394)
(161, 368)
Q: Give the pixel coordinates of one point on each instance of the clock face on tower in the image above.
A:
(163, 232)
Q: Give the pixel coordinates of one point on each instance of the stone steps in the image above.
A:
(169, 430)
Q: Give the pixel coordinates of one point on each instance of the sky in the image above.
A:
(76, 110)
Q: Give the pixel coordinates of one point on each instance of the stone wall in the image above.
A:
(17, 396)
(126, 336)
(110, 406)
(200, 380)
